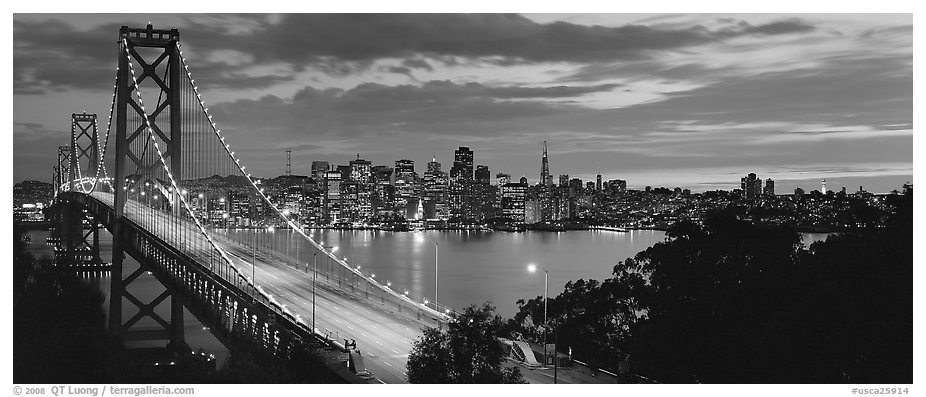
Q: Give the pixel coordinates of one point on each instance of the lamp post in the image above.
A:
(314, 274)
(333, 249)
(436, 246)
(546, 277)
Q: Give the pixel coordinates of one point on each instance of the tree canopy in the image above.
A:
(733, 302)
(469, 351)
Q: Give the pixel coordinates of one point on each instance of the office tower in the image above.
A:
(361, 175)
(533, 211)
(383, 192)
(345, 172)
(462, 164)
(563, 180)
(823, 187)
(318, 171)
(512, 200)
(502, 179)
(544, 166)
(361, 171)
(482, 174)
(598, 184)
(404, 168)
(333, 196)
(751, 185)
(435, 191)
(769, 190)
(616, 186)
(405, 182)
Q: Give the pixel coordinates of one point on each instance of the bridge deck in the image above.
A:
(384, 338)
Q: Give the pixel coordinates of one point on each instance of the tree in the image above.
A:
(468, 352)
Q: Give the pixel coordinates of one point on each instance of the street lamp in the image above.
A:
(546, 277)
(314, 275)
(436, 246)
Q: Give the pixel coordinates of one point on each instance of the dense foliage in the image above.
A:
(468, 352)
(731, 302)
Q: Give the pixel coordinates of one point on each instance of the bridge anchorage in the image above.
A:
(182, 205)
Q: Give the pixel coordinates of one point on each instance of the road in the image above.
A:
(383, 338)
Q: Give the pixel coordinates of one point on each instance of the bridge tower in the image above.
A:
(84, 139)
(156, 56)
(63, 169)
(76, 248)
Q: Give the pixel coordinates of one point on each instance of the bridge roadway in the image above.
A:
(384, 338)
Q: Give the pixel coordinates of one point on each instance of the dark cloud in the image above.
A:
(439, 107)
(51, 55)
(319, 39)
(54, 55)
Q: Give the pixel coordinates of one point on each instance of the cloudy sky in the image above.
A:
(671, 100)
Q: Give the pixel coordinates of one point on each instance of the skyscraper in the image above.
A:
(406, 181)
(545, 167)
(502, 179)
(435, 190)
(318, 170)
(462, 164)
(361, 174)
(383, 191)
(598, 184)
(751, 185)
(333, 196)
(769, 188)
(512, 200)
(482, 174)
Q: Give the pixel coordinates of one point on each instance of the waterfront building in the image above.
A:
(513, 196)
(462, 164)
(435, 190)
(361, 175)
(383, 192)
(533, 211)
(333, 196)
(405, 184)
(545, 167)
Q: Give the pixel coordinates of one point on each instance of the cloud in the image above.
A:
(417, 63)
(303, 40)
(438, 107)
(51, 55)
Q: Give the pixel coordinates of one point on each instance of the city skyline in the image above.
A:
(694, 101)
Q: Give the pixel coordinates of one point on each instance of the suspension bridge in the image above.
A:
(176, 187)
